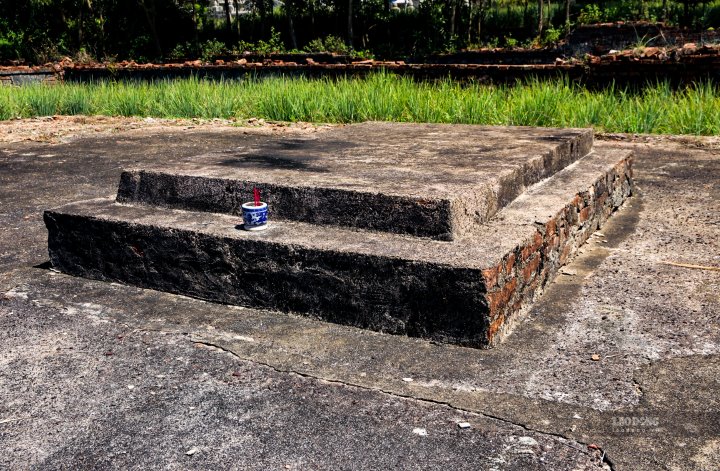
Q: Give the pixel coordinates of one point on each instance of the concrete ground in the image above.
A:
(616, 367)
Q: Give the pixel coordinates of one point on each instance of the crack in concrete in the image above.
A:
(199, 338)
(604, 457)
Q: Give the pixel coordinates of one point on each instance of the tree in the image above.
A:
(350, 23)
(567, 15)
(290, 12)
(237, 18)
(148, 7)
(228, 20)
(476, 18)
(541, 19)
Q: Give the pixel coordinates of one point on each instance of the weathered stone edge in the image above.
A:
(521, 276)
(436, 218)
(428, 300)
(429, 217)
(478, 207)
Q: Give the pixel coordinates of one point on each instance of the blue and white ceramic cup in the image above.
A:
(255, 217)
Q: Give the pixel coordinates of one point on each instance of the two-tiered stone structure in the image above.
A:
(444, 232)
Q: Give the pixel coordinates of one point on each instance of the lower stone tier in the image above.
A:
(468, 291)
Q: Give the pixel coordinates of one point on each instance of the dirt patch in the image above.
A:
(708, 143)
(57, 129)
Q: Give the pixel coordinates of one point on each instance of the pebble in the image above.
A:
(420, 431)
(408, 380)
(595, 357)
(527, 441)
(192, 451)
(464, 424)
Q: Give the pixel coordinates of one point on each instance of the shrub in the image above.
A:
(551, 36)
(590, 14)
(11, 45)
(83, 57)
(182, 51)
(272, 45)
(329, 44)
(211, 49)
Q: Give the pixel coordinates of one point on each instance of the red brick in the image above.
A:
(542, 277)
(494, 301)
(564, 254)
(509, 263)
(491, 276)
(601, 200)
(550, 228)
(500, 298)
(537, 241)
(578, 201)
(533, 286)
(509, 289)
(529, 270)
(554, 242)
(552, 245)
(584, 214)
(495, 327)
(526, 253)
(529, 250)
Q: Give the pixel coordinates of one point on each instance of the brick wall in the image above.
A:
(600, 39)
(525, 271)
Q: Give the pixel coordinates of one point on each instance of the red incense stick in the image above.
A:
(256, 193)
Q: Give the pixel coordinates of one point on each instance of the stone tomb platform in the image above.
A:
(435, 231)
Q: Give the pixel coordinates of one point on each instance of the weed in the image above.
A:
(42, 103)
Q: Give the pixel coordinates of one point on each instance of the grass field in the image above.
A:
(383, 97)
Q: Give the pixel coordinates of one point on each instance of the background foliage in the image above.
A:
(42, 30)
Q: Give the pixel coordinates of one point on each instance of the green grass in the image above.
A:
(385, 97)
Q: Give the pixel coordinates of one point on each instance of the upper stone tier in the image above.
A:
(433, 180)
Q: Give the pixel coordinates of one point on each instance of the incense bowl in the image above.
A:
(254, 217)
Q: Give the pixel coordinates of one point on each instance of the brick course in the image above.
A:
(527, 269)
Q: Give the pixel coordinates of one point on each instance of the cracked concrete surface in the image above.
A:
(250, 389)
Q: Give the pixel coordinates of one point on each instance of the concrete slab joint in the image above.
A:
(441, 232)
